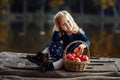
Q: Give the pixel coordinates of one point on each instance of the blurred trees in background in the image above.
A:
(104, 43)
(3, 25)
(26, 25)
(105, 3)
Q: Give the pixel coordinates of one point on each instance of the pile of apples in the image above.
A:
(77, 55)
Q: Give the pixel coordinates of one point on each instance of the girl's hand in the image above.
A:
(82, 46)
(56, 28)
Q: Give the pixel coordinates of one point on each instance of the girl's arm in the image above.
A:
(85, 39)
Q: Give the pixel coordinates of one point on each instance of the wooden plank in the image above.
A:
(10, 77)
(15, 59)
(117, 63)
(56, 74)
(96, 64)
(16, 65)
(102, 64)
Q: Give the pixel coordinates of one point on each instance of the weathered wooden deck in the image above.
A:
(14, 66)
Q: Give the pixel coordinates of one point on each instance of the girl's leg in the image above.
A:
(46, 50)
(40, 57)
(58, 64)
(51, 65)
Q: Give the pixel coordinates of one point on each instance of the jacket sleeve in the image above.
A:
(85, 39)
(56, 37)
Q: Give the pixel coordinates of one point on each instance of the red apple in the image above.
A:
(77, 59)
(70, 57)
(86, 58)
(83, 58)
(77, 51)
(77, 54)
(73, 54)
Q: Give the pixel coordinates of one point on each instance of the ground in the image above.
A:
(14, 66)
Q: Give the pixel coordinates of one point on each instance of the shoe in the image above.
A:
(33, 59)
(42, 68)
(39, 59)
(44, 62)
(43, 57)
(46, 66)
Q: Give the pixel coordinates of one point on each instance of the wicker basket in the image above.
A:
(70, 65)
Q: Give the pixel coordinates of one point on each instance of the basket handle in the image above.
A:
(87, 47)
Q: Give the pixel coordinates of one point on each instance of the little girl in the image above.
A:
(65, 31)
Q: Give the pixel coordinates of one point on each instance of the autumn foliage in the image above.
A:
(102, 45)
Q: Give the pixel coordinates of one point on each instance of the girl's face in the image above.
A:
(66, 24)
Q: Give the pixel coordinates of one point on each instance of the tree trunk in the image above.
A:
(43, 19)
(81, 6)
(102, 16)
(117, 16)
(8, 23)
(24, 17)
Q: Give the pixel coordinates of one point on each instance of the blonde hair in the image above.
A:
(60, 14)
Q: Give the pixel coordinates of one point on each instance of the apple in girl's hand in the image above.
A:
(77, 51)
(70, 56)
(77, 54)
(77, 59)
